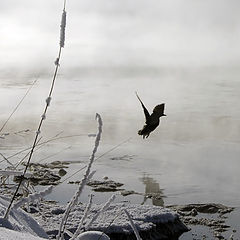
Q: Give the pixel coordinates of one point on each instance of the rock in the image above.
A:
(194, 212)
(104, 186)
(203, 208)
(126, 192)
(187, 213)
(62, 172)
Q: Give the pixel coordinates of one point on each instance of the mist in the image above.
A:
(150, 34)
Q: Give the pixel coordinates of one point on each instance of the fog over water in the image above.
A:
(182, 52)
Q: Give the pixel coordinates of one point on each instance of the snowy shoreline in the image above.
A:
(151, 221)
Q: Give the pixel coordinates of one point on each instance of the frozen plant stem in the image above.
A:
(87, 176)
(104, 208)
(133, 225)
(33, 197)
(15, 109)
(86, 211)
(42, 118)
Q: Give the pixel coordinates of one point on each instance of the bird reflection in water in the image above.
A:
(152, 191)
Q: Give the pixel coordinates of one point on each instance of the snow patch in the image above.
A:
(19, 221)
(93, 235)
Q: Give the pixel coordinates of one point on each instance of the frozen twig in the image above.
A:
(85, 179)
(33, 197)
(7, 160)
(133, 225)
(13, 173)
(86, 211)
(104, 208)
(72, 203)
(15, 109)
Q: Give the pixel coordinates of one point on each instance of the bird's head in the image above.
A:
(159, 110)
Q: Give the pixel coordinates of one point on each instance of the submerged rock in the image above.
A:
(203, 208)
(42, 177)
(44, 174)
(198, 214)
(105, 186)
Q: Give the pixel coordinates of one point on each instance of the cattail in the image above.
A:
(62, 31)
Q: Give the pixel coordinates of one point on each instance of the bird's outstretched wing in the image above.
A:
(159, 109)
(147, 115)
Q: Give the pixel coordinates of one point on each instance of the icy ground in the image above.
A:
(20, 225)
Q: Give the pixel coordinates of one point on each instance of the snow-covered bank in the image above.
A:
(6, 234)
(152, 222)
(19, 221)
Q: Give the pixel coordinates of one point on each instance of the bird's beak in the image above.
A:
(164, 115)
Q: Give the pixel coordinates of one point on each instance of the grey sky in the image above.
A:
(119, 33)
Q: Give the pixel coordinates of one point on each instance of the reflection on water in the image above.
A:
(152, 190)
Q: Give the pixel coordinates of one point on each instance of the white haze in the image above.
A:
(119, 33)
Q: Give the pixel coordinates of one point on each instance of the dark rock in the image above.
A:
(105, 186)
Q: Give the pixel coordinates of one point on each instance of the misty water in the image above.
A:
(182, 53)
(192, 157)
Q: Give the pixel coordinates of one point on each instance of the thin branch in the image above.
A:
(110, 150)
(15, 109)
(133, 225)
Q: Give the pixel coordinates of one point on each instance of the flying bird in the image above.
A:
(153, 120)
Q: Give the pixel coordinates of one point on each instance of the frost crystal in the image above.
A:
(62, 31)
(38, 132)
(57, 62)
(133, 225)
(33, 197)
(48, 100)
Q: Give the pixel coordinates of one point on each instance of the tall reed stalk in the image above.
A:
(48, 100)
(87, 176)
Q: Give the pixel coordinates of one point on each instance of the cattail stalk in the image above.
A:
(63, 25)
(62, 31)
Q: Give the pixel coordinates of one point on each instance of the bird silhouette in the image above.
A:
(153, 120)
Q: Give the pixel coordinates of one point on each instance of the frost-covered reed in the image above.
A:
(62, 31)
(133, 225)
(87, 176)
(43, 116)
(15, 109)
(33, 197)
(86, 211)
(104, 208)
